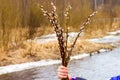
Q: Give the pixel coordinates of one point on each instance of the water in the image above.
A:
(98, 67)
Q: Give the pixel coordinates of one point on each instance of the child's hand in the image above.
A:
(63, 72)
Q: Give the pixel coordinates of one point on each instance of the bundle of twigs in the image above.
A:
(63, 40)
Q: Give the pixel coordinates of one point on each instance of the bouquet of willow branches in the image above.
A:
(63, 39)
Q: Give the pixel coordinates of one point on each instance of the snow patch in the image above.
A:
(80, 56)
(114, 33)
(29, 65)
(106, 39)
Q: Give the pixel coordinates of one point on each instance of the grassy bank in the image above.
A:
(31, 51)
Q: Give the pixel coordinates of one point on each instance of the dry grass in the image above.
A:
(20, 53)
(31, 51)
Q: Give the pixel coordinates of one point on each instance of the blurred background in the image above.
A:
(26, 36)
(21, 20)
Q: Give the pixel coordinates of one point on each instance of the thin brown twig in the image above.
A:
(81, 29)
(67, 18)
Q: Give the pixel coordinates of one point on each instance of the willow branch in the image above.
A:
(52, 16)
(67, 18)
(81, 30)
(63, 40)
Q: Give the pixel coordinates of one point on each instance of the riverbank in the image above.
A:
(32, 51)
(37, 50)
(99, 42)
(104, 65)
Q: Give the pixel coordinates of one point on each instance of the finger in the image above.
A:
(62, 68)
(62, 75)
(63, 71)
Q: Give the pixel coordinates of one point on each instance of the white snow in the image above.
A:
(114, 33)
(52, 37)
(29, 65)
(106, 39)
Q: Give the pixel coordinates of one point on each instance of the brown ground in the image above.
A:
(31, 51)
